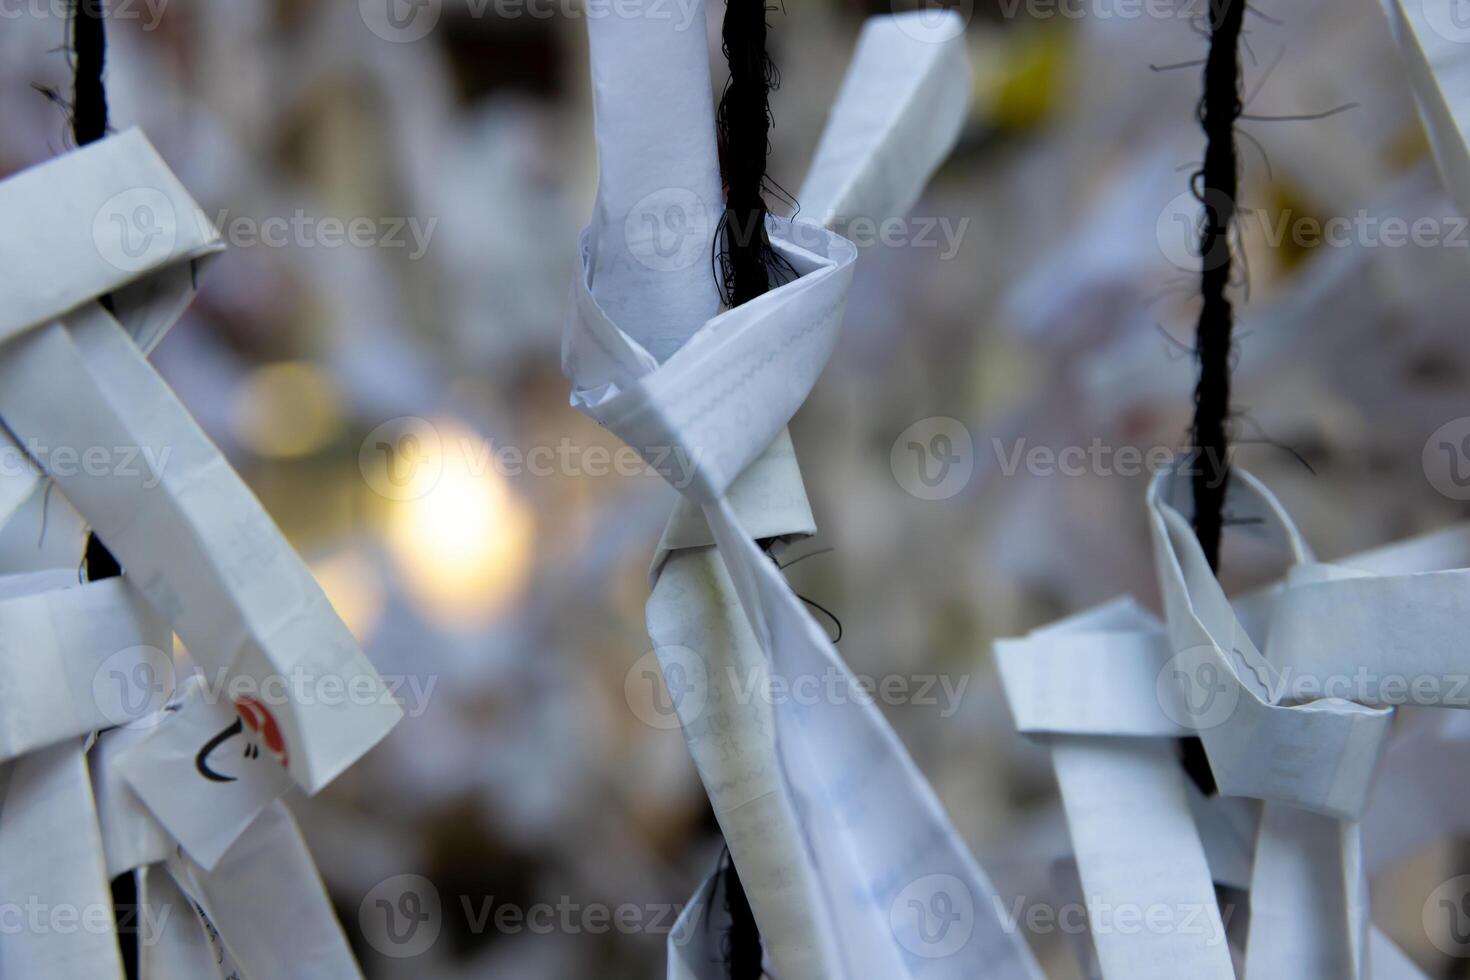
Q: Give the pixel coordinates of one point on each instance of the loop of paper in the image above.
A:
(705, 414)
(72, 656)
(1318, 756)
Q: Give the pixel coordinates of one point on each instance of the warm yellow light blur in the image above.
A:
(287, 410)
(464, 546)
(354, 589)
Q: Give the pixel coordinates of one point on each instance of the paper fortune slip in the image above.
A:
(841, 845)
(1291, 687)
(111, 220)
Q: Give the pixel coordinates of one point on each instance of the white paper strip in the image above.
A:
(52, 879)
(269, 905)
(1318, 756)
(875, 841)
(1432, 37)
(77, 657)
(1146, 884)
(174, 944)
(196, 543)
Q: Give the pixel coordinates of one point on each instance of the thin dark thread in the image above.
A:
(89, 47)
(1193, 63)
(1301, 117)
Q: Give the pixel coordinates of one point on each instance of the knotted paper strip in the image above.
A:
(875, 851)
(192, 538)
(1311, 762)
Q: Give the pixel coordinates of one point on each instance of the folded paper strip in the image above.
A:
(840, 843)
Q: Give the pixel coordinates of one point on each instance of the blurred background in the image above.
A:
(402, 206)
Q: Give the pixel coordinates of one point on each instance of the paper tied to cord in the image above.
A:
(1291, 688)
(841, 846)
(82, 406)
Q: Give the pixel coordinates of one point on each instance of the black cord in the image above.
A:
(1219, 109)
(89, 47)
